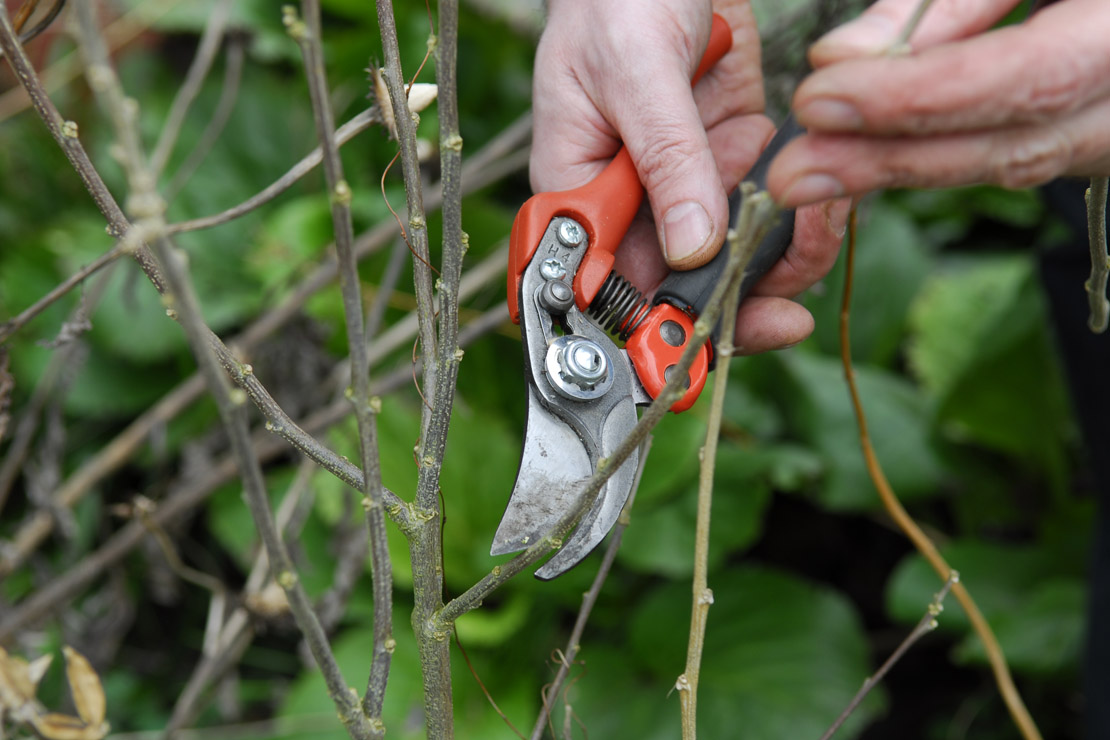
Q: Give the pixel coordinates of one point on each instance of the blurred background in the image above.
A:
(953, 334)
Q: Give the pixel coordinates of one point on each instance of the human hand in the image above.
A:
(619, 72)
(1016, 106)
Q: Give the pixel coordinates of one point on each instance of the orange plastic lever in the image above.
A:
(605, 207)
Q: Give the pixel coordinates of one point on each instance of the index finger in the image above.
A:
(1054, 64)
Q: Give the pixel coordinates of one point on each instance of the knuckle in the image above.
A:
(665, 156)
(1031, 158)
(1057, 85)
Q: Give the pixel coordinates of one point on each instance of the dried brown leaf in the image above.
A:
(38, 668)
(17, 684)
(55, 726)
(85, 686)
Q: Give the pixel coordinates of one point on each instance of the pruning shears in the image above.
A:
(582, 389)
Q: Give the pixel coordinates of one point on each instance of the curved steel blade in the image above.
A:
(610, 501)
(553, 467)
(565, 434)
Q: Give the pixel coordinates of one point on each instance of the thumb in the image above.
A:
(667, 142)
(878, 27)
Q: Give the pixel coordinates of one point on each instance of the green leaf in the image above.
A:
(813, 392)
(660, 539)
(230, 519)
(131, 320)
(782, 658)
(494, 625)
(673, 460)
(892, 260)
(749, 412)
(980, 344)
(1031, 599)
(294, 234)
(1044, 635)
(307, 703)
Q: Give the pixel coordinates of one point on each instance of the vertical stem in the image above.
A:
(742, 244)
(339, 191)
(427, 545)
(1100, 261)
(441, 352)
(149, 212)
(1005, 682)
(416, 231)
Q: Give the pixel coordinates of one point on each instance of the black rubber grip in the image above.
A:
(690, 289)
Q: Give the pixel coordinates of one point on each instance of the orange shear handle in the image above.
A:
(605, 207)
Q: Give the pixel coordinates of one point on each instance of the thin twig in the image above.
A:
(910, 528)
(381, 571)
(66, 585)
(28, 424)
(1100, 260)
(142, 508)
(237, 631)
(494, 161)
(346, 132)
(207, 49)
(14, 324)
(742, 244)
(901, 43)
(589, 599)
(416, 233)
(924, 626)
(149, 213)
(229, 95)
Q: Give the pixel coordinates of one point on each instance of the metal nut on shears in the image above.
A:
(578, 368)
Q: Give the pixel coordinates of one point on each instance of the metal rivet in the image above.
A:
(669, 373)
(672, 333)
(556, 296)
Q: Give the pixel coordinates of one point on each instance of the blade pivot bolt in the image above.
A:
(579, 368)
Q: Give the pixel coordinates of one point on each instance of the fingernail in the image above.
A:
(811, 189)
(868, 33)
(829, 114)
(836, 216)
(686, 229)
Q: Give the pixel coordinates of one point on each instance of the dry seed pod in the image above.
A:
(420, 96)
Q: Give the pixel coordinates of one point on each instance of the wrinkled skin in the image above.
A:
(1015, 106)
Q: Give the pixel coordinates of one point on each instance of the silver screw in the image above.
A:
(570, 234)
(553, 269)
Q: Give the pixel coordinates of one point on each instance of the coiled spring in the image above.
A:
(618, 307)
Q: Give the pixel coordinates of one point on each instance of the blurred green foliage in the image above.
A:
(953, 358)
